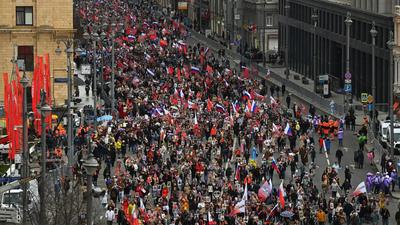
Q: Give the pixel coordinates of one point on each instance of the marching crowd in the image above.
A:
(196, 141)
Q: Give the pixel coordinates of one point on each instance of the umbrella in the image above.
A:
(104, 118)
(287, 214)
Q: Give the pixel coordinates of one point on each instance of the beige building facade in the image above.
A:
(30, 28)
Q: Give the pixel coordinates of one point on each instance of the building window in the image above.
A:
(25, 54)
(24, 16)
(269, 21)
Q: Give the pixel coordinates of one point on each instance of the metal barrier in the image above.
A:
(10, 215)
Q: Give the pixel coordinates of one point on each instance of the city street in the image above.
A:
(166, 115)
(350, 144)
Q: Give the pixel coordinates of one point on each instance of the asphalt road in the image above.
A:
(350, 144)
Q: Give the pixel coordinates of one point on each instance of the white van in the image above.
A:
(383, 126)
(396, 137)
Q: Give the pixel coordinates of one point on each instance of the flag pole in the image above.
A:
(272, 211)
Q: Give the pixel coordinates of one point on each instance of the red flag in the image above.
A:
(178, 74)
(237, 173)
(245, 72)
(209, 69)
(202, 59)
(163, 43)
(170, 70)
(209, 105)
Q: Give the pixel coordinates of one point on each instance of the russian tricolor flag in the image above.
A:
(282, 195)
(157, 112)
(150, 72)
(288, 130)
(275, 166)
(211, 220)
(195, 69)
(147, 56)
(253, 107)
(273, 101)
(265, 190)
(240, 207)
(196, 123)
(360, 189)
(131, 37)
(206, 51)
(220, 108)
(181, 94)
(274, 128)
(247, 95)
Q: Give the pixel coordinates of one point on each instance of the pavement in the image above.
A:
(296, 87)
(304, 94)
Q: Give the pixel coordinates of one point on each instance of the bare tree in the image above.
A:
(66, 203)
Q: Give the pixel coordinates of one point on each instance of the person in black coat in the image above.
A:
(288, 101)
(121, 219)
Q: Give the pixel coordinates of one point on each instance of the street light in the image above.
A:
(314, 18)
(25, 151)
(69, 51)
(391, 43)
(348, 23)
(264, 27)
(94, 37)
(44, 110)
(114, 30)
(287, 71)
(373, 35)
(91, 166)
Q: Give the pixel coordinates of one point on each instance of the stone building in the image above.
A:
(262, 14)
(30, 28)
(331, 40)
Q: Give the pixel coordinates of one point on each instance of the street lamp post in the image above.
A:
(25, 151)
(95, 37)
(113, 26)
(44, 109)
(314, 18)
(200, 9)
(391, 43)
(90, 165)
(373, 35)
(348, 23)
(233, 21)
(70, 134)
(264, 31)
(287, 71)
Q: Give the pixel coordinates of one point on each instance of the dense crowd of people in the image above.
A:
(195, 140)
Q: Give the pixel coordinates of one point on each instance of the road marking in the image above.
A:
(326, 154)
(327, 158)
(345, 149)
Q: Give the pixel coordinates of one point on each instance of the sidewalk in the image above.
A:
(306, 93)
(296, 87)
(86, 100)
(337, 98)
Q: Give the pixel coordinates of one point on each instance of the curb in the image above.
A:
(274, 81)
